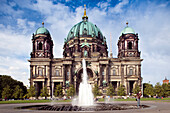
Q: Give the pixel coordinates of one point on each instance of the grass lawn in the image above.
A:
(142, 99)
(30, 101)
(100, 100)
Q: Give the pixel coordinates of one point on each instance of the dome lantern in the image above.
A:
(85, 17)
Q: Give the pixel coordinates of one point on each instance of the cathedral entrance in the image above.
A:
(131, 84)
(79, 77)
(38, 86)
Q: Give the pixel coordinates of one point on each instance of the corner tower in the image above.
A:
(128, 43)
(41, 60)
(42, 44)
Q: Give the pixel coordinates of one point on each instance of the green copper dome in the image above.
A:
(84, 28)
(42, 30)
(127, 30)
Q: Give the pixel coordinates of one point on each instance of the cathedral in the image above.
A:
(85, 41)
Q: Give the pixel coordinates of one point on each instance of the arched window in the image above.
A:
(40, 46)
(57, 73)
(40, 72)
(130, 45)
(131, 72)
(114, 72)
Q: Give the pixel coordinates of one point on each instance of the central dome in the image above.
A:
(84, 29)
(85, 40)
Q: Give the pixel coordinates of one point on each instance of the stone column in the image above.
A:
(63, 74)
(48, 79)
(100, 74)
(127, 87)
(122, 74)
(117, 85)
(70, 74)
(75, 80)
(52, 89)
(107, 74)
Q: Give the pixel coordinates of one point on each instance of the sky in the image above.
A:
(19, 19)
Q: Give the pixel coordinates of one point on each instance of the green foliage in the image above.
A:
(31, 92)
(158, 90)
(58, 91)
(7, 80)
(6, 93)
(148, 90)
(110, 90)
(121, 91)
(166, 90)
(44, 92)
(71, 91)
(18, 92)
(169, 89)
(96, 91)
(136, 89)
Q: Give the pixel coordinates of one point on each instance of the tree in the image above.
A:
(71, 91)
(18, 92)
(158, 90)
(110, 90)
(58, 91)
(7, 80)
(148, 91)
(6, 93)
(44, 92)
(169, 89)
(136, 89)
(31, 92)
(96, 91)
(121, 91)
(166, 90)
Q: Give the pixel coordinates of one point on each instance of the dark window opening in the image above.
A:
(40, 46)
(130, 45)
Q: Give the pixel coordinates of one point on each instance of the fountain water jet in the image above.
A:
(85, 97)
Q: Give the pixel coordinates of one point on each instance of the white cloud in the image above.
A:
(118, 7)
(103, 5)
(8, 9)
(31, 24)
(14, 52)
(16, 68)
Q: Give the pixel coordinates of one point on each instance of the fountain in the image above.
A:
(85, 97)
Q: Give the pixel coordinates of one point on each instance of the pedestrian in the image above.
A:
(138, 98)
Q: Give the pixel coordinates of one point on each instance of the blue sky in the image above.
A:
(19, 19)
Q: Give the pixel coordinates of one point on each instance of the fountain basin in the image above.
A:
(96, 107)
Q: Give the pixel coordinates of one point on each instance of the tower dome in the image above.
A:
(127, 30)
(42, 30)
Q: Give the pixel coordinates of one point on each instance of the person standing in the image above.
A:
(138, 98)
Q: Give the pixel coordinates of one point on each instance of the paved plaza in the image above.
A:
(155, 107)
